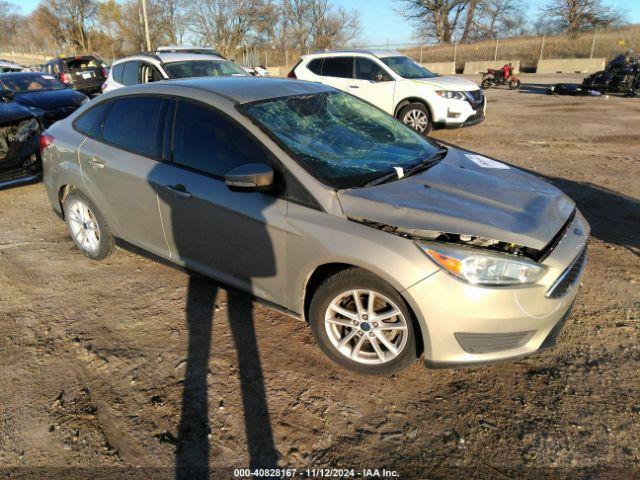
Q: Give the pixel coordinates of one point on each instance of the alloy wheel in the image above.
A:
(417, 120)
(83, 225)
(366, 326)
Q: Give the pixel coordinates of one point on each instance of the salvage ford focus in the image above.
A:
(390, 245)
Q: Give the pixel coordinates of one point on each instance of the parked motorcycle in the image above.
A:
(622, 75)
(495, 78)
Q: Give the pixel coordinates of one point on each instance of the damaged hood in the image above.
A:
(466, 194)
(51, 99)
(12, 113)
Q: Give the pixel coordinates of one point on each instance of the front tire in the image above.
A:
(416, 116)
(514, 84)
(363, 324)
(88, 228)
(485, 84)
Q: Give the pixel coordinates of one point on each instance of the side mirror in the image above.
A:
(251, 177)
(7, 93)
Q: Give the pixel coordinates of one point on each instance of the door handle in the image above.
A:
(95, 163)
(354, 86)
(178, 191)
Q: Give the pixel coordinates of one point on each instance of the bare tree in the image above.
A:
(437, 19)
(74, 18)
(9, 22)
(574, 15)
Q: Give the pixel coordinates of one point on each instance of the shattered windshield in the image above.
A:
(340, 139)
(202, 68)
(407, 68)
(31, 83)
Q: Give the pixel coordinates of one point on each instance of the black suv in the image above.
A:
(85, 74)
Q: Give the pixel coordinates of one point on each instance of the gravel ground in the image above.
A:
(93, 355)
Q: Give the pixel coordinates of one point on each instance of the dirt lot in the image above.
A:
(93, 356)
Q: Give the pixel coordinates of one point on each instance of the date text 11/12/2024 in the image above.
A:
(315, 473)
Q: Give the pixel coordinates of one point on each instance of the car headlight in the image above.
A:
(451, 94)
(483, 268)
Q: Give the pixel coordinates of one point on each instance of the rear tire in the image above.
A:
(485, 84)
(416, 116)
(87, 227)
(376, 338)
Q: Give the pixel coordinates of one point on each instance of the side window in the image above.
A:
(89, 122)
(117, 72)
(136, 124)
(315, 65)
(56, 68)
(338, 67)
(130, 73)
(367, 69)
(209, 142)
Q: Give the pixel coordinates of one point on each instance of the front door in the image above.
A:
(237, 237)
(373, 84)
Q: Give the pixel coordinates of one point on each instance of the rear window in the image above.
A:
(81, 63)
(341, 67)
(136, 124)
(117, 72)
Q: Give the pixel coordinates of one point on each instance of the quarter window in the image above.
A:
(209, 142)
(315, 66)
(117, 72)
(130, 73)
(341, 67)
(136, 124)
(90, 121)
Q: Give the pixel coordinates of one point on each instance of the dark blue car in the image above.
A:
(45, 96)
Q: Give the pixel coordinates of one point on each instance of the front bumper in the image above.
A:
(460, 113)
(464, 324)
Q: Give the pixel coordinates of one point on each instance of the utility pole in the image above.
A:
(146, 24)
(593, 42)
(542, 46)
(495, 55)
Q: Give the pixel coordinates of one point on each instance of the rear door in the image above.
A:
(337, 71)
(118, 159)
(373, 84)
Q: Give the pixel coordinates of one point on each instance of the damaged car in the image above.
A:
(43, 94)
(19, 133)
(391, 246)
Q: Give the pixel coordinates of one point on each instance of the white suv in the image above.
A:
(151, 67)
(397, 85)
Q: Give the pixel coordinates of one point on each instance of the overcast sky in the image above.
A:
(381, 23)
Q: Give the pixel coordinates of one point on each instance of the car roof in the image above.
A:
(375, 53)
(168, 57)
(6, 63)
(248, 89)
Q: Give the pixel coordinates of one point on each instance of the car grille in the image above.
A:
(569, 277)
(492, 342)
(475, 98)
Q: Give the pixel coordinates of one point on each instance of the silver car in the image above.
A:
(390, 245)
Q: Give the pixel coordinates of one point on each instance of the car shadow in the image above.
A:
(613, 216)
(210, 229)
(534, 88)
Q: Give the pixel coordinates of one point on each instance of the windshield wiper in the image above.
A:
(424, 164)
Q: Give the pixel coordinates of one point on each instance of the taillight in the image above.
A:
(292, 74)
(45, 141)
(104, 72)
(65, 77)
